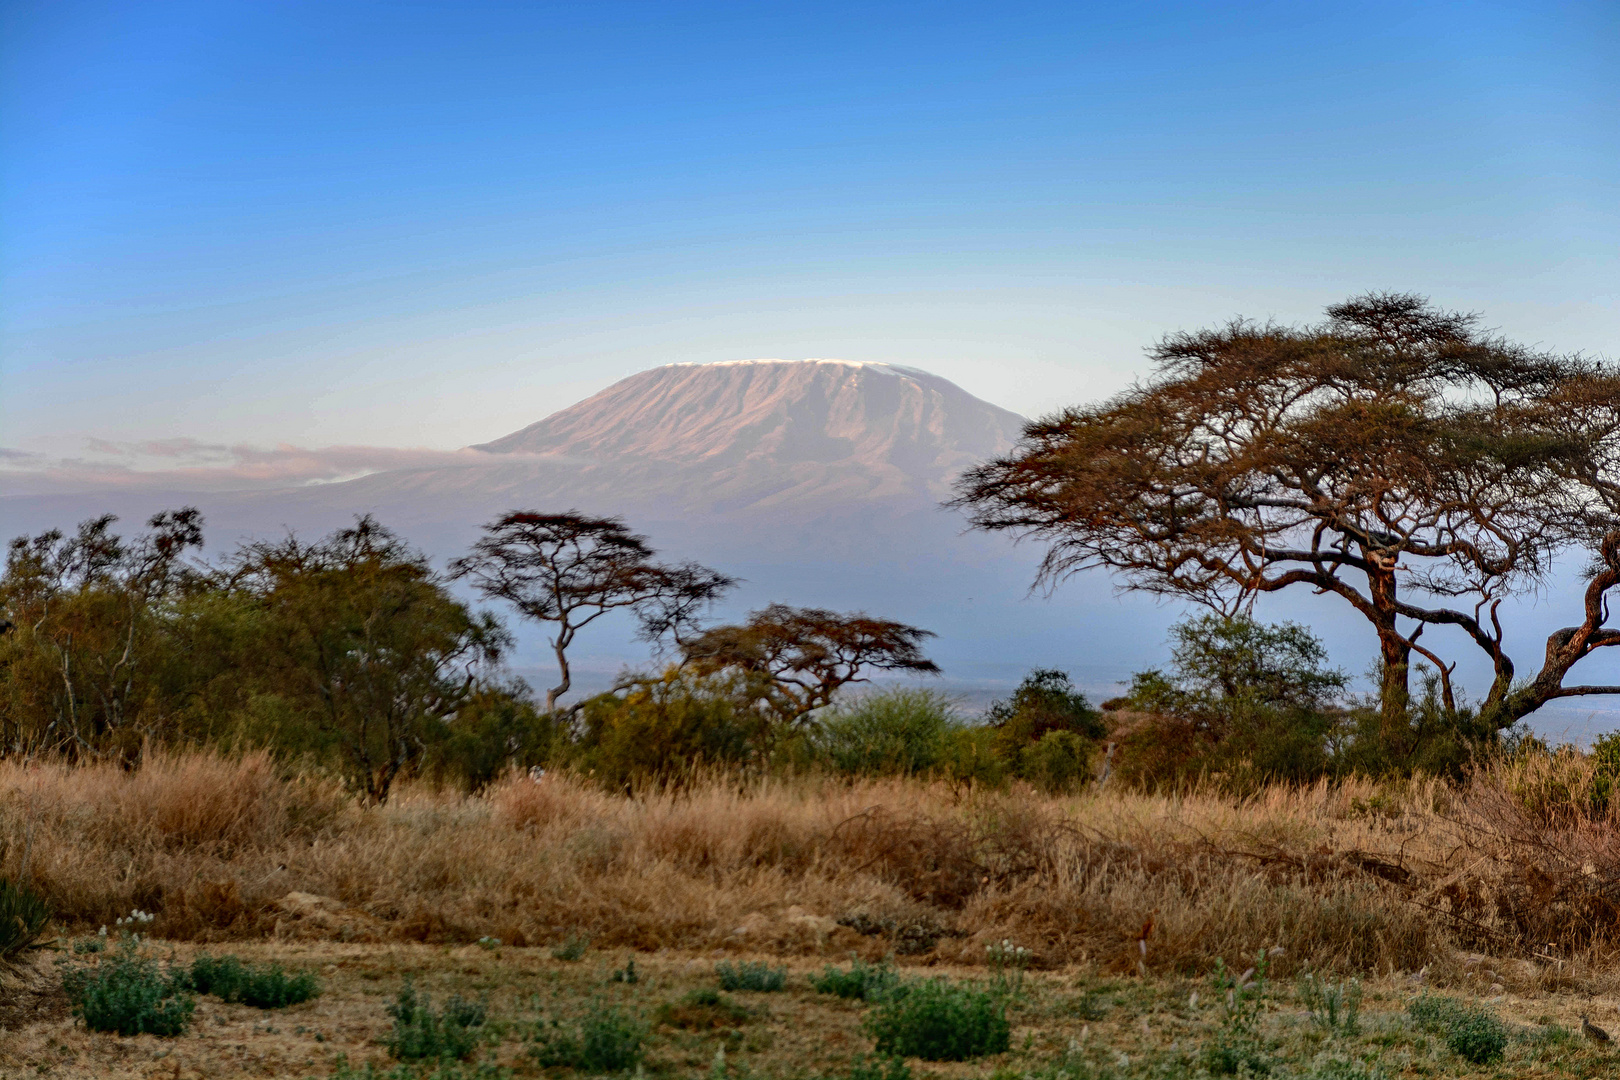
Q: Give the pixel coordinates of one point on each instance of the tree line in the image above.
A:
(1394, 458)
(353, 650)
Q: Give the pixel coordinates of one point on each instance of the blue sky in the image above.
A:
(424, 225)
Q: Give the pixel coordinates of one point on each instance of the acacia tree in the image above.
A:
(807, 654)
(359, 638)
(570, 569)
(88, 613)
(1393, 456)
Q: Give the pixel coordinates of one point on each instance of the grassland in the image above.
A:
(1500, 891)
(1073, 1021)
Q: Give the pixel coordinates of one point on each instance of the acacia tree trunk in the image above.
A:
(560, 647)
(1395, 655)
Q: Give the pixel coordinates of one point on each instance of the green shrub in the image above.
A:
(881, 1068)
(887, 733)
(421, 1033)
(1471, 1032)
(228, 979)
(607, 1040)
(939, 1020)
(660, 727)
(703, 1009)
(751, 975)
(24, 914)
(1335, 1006)
(571, 948)
(129, 994)
(862, 982)
(443, 1070)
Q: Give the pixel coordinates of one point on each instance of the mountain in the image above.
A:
(780, 432)
(819, 482)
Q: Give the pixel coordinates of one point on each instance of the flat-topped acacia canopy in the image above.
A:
(1394, 455)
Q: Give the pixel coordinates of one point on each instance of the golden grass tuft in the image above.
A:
(1354, 876)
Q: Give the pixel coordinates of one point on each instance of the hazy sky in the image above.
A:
(424, 225)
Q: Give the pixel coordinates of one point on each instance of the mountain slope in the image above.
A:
(774, 432)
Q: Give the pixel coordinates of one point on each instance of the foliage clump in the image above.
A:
(24, 915)
(421, 1032)
(129, 993)
(753, 975)
(941, 1020)
(1471, 1032)
(606, 1040)
(268, 987)
(861, 982)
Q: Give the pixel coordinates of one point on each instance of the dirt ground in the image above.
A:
(1065, 1022)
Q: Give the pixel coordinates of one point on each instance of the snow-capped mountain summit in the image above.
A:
(759, 420)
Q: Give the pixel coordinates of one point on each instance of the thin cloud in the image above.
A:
(188, 464)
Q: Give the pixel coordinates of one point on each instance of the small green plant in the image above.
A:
(702, 1009)
(421, 1033)
(270, 987)
(443, 1070)
(572, 948)
(24, 915)
(879, 1068)
(489, 944)
(1472, 1033)
(130, 994)
(862, 982)
(626, 974)
(606, 1040)
(751, 975)
(1334, 1006)
(1007, 963)
(1093, 1005)
(1236, 1046)
(940, 1020)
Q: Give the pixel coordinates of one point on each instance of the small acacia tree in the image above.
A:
(361, 642)
(1393, 456)
(570, 569)
(87, 615)
(807, 654)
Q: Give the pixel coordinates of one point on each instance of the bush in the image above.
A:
(444, 1070)
(702, 1010)
(1046, 731)
(656, 728)
(883, 1068)
(1335, 1006)
(751, 975)
(862, 982)
(939, 1020)
(1472, 1033)
(607, 1040)
(887, 733)
(24, 914)
(421, 1033)
(263, 988)
(129, 994)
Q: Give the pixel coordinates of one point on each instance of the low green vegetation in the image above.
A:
(24, 915)
(1473, 1033)
(267, 987)
(421, 1032)
(128, 993)
(940, 1020)
(605, 1040)
(860, 982)
(753, 975)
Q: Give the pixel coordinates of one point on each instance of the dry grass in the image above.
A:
(1350, 876)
